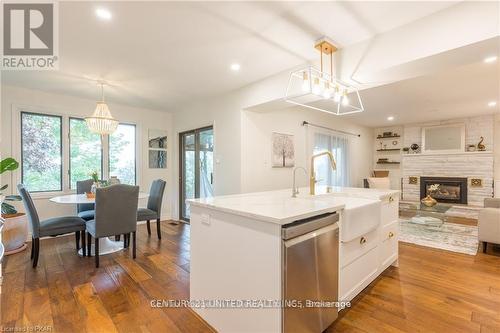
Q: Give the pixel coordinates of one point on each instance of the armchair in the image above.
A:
(489, 223)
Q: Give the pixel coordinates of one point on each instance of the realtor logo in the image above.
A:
(29, 35)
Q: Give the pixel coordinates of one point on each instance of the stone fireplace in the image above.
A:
(450, 190)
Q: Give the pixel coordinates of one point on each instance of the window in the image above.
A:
(85, 153)
(57, 151)
(339, 147)
(41, 152)
(122, 154)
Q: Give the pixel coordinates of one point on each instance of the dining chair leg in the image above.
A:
(125, 245)
(89, 244)
(117, 238)
(84, 244)
(36, 251)
(77, 240)
(32, 247)
(134, 245)
(149, 227)
(158, 231)
(96, 247)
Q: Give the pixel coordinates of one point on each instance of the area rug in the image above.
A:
(449, 236)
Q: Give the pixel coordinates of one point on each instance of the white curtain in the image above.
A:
(339, 146)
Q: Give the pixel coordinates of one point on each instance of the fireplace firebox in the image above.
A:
(450, 190)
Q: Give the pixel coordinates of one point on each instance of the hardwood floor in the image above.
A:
(431, 291)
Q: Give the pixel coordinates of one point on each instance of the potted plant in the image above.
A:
(15, 231)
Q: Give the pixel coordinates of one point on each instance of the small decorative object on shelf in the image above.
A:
(406, 150)
(387, 134)
(415, 148)
(480, 145)
(471, 148)
(476, 182)
(413, 180)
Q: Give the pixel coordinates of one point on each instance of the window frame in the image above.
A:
(17, 109)
(61, 148)
(69, 153)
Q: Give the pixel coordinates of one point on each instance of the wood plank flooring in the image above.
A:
(431, 291)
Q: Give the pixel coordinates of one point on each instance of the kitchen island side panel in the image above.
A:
(235, 258)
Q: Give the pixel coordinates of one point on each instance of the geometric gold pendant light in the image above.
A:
(101, 121)
(319, 90)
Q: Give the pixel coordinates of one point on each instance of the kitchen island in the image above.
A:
(237, 249)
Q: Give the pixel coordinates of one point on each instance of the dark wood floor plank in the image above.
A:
(63, 305)
(95, 316)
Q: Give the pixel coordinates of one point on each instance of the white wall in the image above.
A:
(496, 154)
(69, 105)
(257, 173)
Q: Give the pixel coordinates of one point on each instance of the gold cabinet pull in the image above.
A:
(391, 234)
(391, 199)
(362, 240)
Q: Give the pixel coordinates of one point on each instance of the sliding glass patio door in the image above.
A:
(196, 167)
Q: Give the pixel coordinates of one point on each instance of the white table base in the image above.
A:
(106, 246)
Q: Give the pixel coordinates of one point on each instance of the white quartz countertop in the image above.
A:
(279, 207)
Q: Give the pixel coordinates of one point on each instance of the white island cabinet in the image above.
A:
(236, 250)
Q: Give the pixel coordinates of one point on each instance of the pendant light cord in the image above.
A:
(102, 92)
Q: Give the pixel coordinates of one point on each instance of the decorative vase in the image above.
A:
(113, 180)
(15, 233)
(429, 201)
(94, 187)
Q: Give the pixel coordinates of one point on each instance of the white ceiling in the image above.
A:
(160, 54)
(463, 91)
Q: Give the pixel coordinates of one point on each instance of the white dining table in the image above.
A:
(106, 245)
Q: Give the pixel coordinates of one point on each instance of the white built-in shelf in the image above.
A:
(454, 153)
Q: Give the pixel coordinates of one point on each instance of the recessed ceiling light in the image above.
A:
(490, 59)
(103, 14)
(235, 67)
(390, 118)
(492, 104)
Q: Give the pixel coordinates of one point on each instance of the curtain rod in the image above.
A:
(304, 123)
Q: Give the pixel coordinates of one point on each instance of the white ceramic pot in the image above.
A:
(15, 233)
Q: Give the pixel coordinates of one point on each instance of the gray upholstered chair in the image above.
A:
(50, 227)
(489, 223)
(153, 210)
(115, 214)
(85, 211)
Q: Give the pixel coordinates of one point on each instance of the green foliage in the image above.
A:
(8, 164)
(42, 164)
(95, 176)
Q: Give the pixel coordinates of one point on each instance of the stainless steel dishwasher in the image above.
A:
(310, 273)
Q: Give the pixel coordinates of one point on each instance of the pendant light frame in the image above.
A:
(322, 91)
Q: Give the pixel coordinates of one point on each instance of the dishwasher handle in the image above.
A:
(302, 227)
(316, 233)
